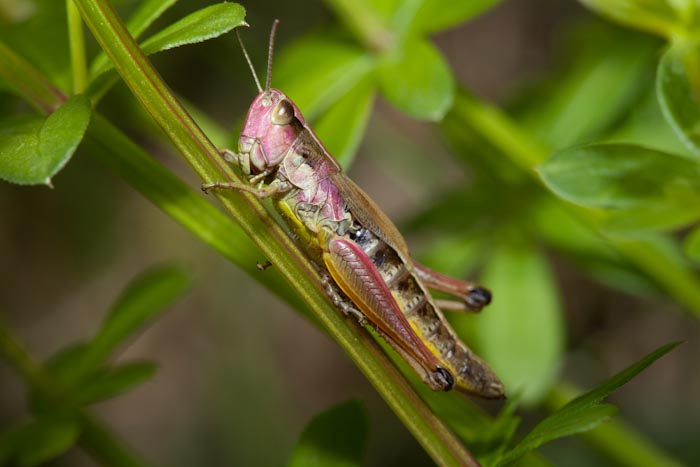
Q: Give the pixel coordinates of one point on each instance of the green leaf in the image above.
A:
(583, 413)
(146, 13)
(647, 126)
(438, 15)
(593, 90)
(691, 245)
(202, 25)
(334, 438)
(623, 176)
(678, 90)
(111, 382)
(559, 228)
(648, 217)
(342, 127)
(144, 298)
(655, 16)
(417, 80)
(521, 332)
(38, 441)
(32, 150)
(207, 23)
(318, 70)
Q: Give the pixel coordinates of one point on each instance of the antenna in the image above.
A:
(250, 64)
(268, 78)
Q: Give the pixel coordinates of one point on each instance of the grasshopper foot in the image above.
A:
(477, 298)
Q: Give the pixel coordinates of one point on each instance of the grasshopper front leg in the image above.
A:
(277, 186)
(474, 297)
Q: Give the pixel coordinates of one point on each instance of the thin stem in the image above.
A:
(28, 81)
(77, 47)
(105, 446)
(20, 360)
(364, 23)
(270, 237)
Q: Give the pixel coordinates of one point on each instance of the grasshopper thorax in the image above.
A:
(271, 127)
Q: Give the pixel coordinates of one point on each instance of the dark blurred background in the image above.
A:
(230, 352)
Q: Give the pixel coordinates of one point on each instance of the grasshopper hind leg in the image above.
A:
(473, 297)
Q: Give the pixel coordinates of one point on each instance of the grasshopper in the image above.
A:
(363, 258)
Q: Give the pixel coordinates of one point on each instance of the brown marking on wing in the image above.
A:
(367, 213)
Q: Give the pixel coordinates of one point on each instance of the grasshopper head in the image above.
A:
(271, 126)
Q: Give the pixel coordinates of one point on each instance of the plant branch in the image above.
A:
(77, 48)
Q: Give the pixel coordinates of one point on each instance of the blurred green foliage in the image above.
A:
(597, 161)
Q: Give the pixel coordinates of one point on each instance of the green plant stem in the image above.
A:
(20, 360)
(77, 47)
(364, 23)
(95, 438)
(105, 446)
(28, 81)
(270, 237)
(618, 441)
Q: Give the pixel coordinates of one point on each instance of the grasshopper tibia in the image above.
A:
(474, 297)
(340, 301)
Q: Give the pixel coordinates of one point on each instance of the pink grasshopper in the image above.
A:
(358, 249)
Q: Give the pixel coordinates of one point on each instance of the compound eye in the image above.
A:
(283, 113)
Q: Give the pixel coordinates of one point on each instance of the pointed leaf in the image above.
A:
(334, 438)
(656, 16)
(342, 127)
(145, 297)
(678, 90)
(317, 70)
(438, 15)
(582, 413)
(34, 149)
(202, 25)
(111, 382)
(417, 80)
(38, 441)
(623, 176)
(521, 334)
(207, 23)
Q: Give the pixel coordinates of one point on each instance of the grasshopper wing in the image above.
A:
(371, 216)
